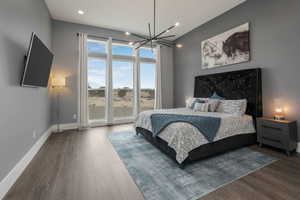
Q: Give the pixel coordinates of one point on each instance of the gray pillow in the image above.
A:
(201, 107)
(191, 101)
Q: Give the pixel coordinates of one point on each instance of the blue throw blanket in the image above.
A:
(208, 126)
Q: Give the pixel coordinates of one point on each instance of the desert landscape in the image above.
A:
(122, 102)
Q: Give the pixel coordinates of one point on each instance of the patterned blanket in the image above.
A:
(208, 126)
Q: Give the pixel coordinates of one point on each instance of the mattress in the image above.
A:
(184, 137)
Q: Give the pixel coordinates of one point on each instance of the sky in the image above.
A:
(122, 70)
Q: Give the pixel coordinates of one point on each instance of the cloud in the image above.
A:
(122, 74)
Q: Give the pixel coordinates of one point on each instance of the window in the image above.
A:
(147, 78)
(147, 93)
(96, 47)
(96, 80)
(147, 53)
(111, 87)
(122, 80)
(123, 50)
(122, 72)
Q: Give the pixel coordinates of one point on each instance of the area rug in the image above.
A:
(159, 178)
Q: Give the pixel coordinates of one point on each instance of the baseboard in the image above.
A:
(64, 127)
(16, 172)
(298, 147)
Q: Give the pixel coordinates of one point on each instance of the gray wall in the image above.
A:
(167, 71)
(22, 110)
(275, 45)
(65, 47)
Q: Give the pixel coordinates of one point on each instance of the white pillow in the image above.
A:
(235, 107)
(201, 107)
(189, 102)
(220, 106)
(213, 104)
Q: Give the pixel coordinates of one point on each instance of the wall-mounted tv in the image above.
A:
(38, 64)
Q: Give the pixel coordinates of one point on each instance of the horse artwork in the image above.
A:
(230, 47)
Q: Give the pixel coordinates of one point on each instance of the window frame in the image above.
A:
(100, 56)
(109, 58)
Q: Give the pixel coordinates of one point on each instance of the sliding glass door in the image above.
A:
(97, 66)
(147, 88)
(123, 96)
(96, 88)
(118, 75)
(147, 78)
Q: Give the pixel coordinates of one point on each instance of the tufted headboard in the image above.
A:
(242, 84)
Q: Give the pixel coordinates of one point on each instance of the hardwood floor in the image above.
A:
(84, 166)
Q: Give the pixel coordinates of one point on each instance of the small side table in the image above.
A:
(277, 133)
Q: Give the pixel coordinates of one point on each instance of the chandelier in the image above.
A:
(159, 38)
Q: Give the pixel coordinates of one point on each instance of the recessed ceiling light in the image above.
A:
(80, 12)
(130, 43)
(179, 45)
(127, 33)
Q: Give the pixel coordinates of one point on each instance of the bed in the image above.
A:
(181, 142)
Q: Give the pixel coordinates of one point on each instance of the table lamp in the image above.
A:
(279, 113)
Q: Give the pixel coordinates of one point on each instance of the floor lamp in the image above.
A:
(58, 83)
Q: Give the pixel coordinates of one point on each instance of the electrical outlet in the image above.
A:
(34, 134)
(74, 116)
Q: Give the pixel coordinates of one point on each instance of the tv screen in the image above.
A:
(38, 64)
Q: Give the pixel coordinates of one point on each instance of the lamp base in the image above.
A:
(279, 117)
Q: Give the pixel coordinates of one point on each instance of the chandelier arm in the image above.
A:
(143, 43)
(163, 32)
(139, 36)
(167, 41)
(154, 18)
(139, 41)
(168, 36)
(165, 44)
(150, 36)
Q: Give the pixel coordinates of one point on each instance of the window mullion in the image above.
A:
(109, 86)
(136, 82)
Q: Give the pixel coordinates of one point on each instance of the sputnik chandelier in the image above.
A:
(159, 38)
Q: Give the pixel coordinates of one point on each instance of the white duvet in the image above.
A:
(184, 137)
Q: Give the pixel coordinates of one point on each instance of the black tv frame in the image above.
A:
(26, 60)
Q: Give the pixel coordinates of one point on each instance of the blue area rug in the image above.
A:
(159, 178)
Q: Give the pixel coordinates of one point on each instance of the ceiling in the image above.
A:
(133, 15)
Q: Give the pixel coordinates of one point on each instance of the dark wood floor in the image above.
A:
(84, 166)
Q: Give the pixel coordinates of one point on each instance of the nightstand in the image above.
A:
(277, 133)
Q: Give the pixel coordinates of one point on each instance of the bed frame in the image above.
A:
(242, 84)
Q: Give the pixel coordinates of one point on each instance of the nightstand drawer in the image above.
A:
(272, 142)
(272, 132)
(274, 125)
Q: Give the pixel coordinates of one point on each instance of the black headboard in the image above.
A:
(242, 84)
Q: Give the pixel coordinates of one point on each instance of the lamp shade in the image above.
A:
(58, 81)
(279, 110)
(279, 113)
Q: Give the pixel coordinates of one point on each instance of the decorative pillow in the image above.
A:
(216, 96)
(189, 102)
(197, 100)
(213, 104)
(220, 106)
(201, 107)
(235, 107)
